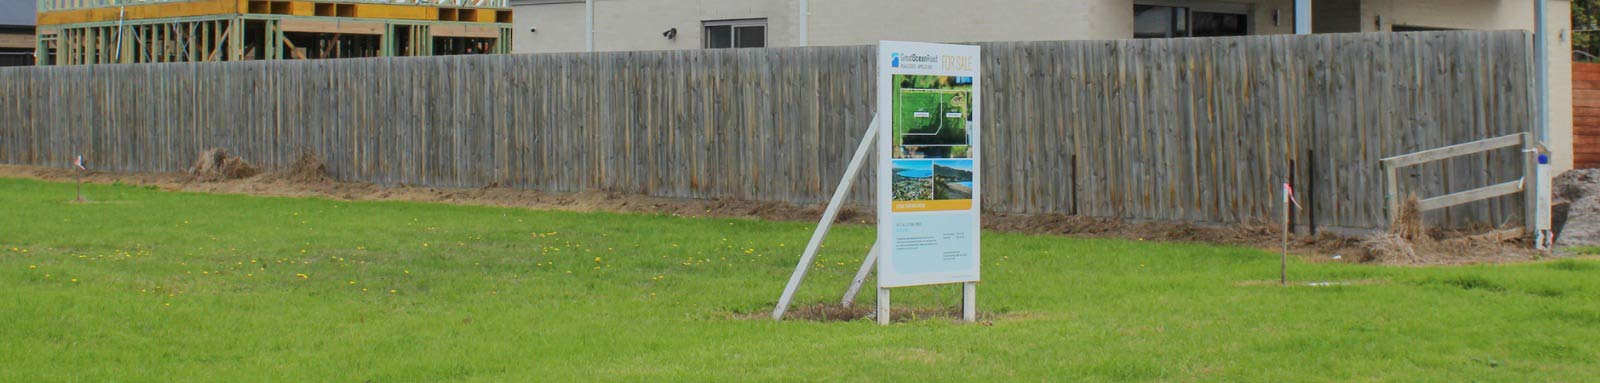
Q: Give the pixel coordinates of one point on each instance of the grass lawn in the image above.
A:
(148, 285)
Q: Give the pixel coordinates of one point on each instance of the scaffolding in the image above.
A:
(76, 32)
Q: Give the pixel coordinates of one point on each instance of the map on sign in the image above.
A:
(933, 116)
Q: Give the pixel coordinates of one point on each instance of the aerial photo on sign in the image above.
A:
(934, 116)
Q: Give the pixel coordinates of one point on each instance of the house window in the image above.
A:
(1212, 24)
(746, 33)
(1159, 21)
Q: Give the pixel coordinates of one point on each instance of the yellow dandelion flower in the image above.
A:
(393, 291)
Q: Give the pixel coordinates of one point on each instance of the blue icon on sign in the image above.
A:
(895, 60)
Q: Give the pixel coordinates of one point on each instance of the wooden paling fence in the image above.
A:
(1198, 130)
(1585, 115)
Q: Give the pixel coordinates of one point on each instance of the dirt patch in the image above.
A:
(1256, 233)
(217, 165)
(308, 177)
(1274, 282)
(823, 312)
(1575, 208)
(306, 169)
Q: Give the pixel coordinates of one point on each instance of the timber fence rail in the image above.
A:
(1178, 129)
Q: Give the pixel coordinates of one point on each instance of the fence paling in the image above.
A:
(1184, 129)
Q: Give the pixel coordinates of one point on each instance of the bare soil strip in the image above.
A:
(215, 172)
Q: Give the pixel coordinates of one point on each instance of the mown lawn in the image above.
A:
(151, 286)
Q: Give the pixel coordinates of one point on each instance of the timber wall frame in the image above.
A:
(1198, 129)
(237, 30)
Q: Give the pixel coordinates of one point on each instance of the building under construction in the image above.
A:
(72, 32)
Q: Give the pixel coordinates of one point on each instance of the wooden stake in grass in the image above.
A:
(78, 163)
(1283, 259)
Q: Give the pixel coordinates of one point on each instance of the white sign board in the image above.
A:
(929, 109)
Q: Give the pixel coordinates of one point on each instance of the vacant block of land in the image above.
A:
(148, 285)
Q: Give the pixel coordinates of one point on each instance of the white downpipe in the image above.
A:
(1541, 59)
(805, 23)
(588, 25)
(1302, 17)
(122, 13)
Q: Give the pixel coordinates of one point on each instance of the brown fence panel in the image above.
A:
(1586, 115)
(1198, 130)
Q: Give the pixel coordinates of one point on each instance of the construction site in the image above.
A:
(76, 32)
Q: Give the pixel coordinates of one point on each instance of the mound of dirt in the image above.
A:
(1578, 191)
(306, 169)
(216, 165)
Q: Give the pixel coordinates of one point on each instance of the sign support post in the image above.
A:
(969, 301)
(828, 216)
(861, 277)
(883, 305)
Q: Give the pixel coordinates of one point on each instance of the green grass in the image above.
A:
(1585, 250)
(147, 285)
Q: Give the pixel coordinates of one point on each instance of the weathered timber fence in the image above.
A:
(1182, 129)
(1585, 115)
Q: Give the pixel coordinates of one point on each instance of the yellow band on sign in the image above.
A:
(934, 205)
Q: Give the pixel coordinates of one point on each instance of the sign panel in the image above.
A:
(929, 109)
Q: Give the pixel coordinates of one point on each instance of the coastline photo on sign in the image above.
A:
(913, 180)
(952, 179)
(932, 116)
(920, 185)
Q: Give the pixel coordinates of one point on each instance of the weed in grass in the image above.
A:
(1585, 250)
(1572, 265)
(1471, 282)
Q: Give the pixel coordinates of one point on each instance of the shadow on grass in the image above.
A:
(825, 312)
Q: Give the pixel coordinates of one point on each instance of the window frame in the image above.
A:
(733, 26)
(1190, 8)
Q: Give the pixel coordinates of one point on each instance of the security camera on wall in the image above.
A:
(670, 34)
(533, 30)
